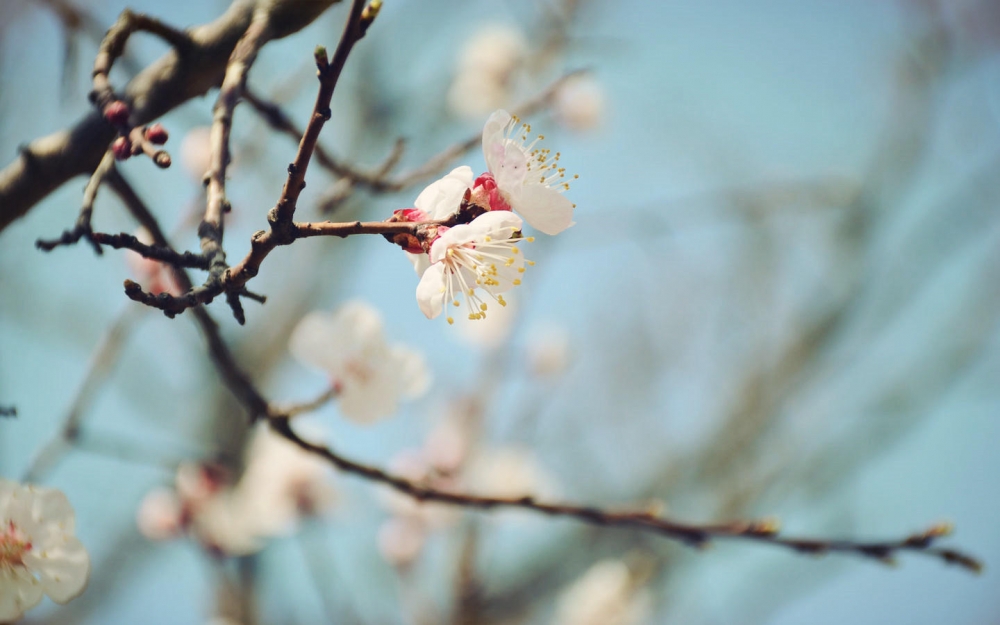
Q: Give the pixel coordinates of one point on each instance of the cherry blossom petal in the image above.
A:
(442, 198)
(19, 591)
(431, 290)
(63, 568)
(545, 209)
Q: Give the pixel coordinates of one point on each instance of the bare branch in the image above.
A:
(764, 531)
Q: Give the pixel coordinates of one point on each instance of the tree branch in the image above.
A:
(46, 163)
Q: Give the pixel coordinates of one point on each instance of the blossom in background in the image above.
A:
(487, 68)
(280, 485)
(39, 553)
(522, 177)
(605, 595)
(481, 255)
(370, 375)
(154, 276)
(549, 350)
(579, 103)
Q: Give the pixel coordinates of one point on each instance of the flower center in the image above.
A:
(13, 545)
(542, 163)
(486, 264)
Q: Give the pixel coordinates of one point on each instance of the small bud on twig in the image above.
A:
(122, 148)
(157, 134)
(116, 113)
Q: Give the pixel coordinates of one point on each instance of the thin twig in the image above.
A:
(764, 531)
(82, 228)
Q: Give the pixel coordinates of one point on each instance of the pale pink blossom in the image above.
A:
(521, 177)
(580, 103)
(479, 257)
(370, 375)
(160, 515)
(39, 553)
(605, 595)
(486, 71)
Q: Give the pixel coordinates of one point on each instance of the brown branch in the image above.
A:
(283, 230)
(764, 531)
(82, 228)
(46, 163)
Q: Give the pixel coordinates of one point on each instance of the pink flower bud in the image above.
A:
(487, 194)
(409, 214)
(157, 134)
(122, 148)
(116, 113)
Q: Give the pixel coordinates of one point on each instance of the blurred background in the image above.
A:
(781, 298)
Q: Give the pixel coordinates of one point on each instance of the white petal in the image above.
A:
(420, 262)
(497, 224)
(442, 198)
(510, 168)
(431, 290)
(493, 137)
(64, 568)
(52, 506)
(19, 591)
(545, 209)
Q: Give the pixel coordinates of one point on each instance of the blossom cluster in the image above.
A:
(39, 553)
(482, 259)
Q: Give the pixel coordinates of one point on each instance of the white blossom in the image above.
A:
(370, 375)
(521, 177)
(486, 70)
(39, 553)
(481, 256)
(507, 472)
(605, 595)
(580, 103)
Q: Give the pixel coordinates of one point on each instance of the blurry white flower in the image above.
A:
(548, 350)
(605, 595)
(160, 515)
(400, 540)
(579, 103)
(447, 445)
(39, 553)
(486, 70)
(154, 276)
(412, 465)
(483, 255)
(507, 472)
(370, 375)
(522, 178)
(223, 525)
(282, 483)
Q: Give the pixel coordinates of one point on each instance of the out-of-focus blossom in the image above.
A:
(39, 553)
(400, 540)
(280, 484)
(160, 515)
(483, 254)
(486, 70)
(580, 103)
(154, 276)
(522, 177)
(507, 472)
(370, 375)
(549, 350)
(605, 595)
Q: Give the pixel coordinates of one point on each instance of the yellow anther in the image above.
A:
(501, 300)
(450, 321)
(520, 270)
(472, 291)
(486, 238)
(530, 262)
(514, 249)
(455, 303)
(517, 281)
(482, 306)
(530, 239)
(540, 137)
